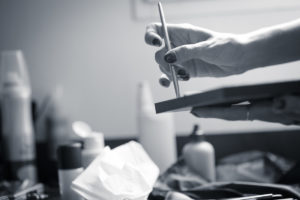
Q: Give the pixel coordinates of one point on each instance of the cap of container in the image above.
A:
(94, 141)
(13, 62)
(69, 156)
(197, 134)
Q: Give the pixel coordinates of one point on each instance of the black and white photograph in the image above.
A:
(149, 100)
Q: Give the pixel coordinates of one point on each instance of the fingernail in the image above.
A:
(164, 82)
(279, 104)
(186, 77)
(156, 42)
(170, 57)
(181, 72)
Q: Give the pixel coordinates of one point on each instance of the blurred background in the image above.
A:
(94, 50)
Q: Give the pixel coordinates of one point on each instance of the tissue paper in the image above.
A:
(126, 172)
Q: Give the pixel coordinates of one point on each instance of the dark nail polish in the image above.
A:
(156, 42)
(181, 72)
(164, 82)
(186, 78)
(170, 57)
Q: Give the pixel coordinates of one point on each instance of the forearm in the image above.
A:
(273, 45)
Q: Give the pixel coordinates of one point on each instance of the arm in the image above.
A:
(274, 45)
(205, 53)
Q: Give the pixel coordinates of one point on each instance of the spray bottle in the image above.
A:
(17, 127)
(156, 131)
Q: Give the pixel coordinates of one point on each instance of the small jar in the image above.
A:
(92, 147)
(69, 167)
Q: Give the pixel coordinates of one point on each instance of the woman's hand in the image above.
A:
(198, 52)
(284, 110)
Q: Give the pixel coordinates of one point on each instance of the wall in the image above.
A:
(95, 50)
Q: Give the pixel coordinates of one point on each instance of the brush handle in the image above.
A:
(168, 46)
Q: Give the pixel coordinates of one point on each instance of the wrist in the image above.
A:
(260, 47)
(244, 52)
(251, 47)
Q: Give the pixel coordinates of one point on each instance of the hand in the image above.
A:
(198, 52)
(284, 110)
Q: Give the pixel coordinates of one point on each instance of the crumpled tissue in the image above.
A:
(125, 172)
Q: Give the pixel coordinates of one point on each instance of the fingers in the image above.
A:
(187, 52)
(179, 34)
(199, 68)
(153, 34)
(231, 113)
(159, 57)
(182, 74)
(263, 110)
(289, 106)
(164, 80)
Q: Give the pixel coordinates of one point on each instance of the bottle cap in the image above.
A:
(69, 156)
(197, 134)
(144, 98)
(13, 63)
(93, 141)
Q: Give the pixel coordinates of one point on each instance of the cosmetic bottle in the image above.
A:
(156, 132)
(17, 126)
(199, 155)
(93, 145)
(69, 167)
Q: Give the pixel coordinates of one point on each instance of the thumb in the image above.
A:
(187, 52)
(287, 104)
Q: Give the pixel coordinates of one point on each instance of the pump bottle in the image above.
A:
(199, 155)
